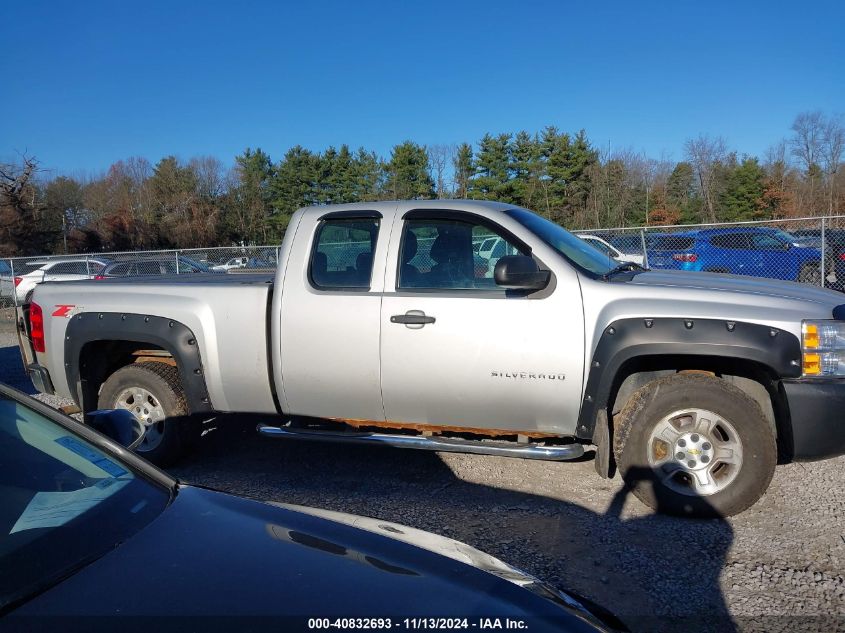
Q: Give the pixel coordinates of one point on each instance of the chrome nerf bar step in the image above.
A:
(444, 444)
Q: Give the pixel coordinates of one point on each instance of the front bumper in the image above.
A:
(818, 423)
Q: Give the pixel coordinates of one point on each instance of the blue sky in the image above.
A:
(88, 83)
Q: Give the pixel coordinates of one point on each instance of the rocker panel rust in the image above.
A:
(436, 428)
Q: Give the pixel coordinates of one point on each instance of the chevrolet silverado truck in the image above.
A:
(380, 326)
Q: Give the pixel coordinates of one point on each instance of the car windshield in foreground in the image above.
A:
(63, 502)
(573, 248)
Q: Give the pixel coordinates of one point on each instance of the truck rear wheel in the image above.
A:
(153, 393)
(695, 445)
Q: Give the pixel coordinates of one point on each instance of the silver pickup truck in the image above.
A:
(384, 325)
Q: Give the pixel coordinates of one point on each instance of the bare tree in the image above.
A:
(833, 143)
(439, 157)
(705, 153)
(806, 145)
(19, 207)
(15, 182)
(809, 132)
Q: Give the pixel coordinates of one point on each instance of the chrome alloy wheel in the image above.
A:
(695, 452)
(146, 407)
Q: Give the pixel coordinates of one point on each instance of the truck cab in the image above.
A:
(387, 306)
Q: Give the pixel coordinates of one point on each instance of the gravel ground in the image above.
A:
(778, 566)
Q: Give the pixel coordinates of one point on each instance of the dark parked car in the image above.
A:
(87, 529)
(755, 251)
(834, 239)
(150, 266)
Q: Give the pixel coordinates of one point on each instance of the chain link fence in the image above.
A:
(808, 250)
(20, 275)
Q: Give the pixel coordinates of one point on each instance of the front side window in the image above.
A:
(565, 243)
(445, 254)
(768, 243)
(63, 502)
(343, 253)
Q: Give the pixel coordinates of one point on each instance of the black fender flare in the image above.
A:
(170, 335)
(626, 340)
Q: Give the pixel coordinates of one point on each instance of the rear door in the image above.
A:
(331, 301)
(458, 351)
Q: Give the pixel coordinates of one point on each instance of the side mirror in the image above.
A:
(118, 425)
(520, 272)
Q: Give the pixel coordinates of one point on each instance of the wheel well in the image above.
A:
(100, 359)
(756, 380)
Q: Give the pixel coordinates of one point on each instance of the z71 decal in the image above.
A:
(66, 311)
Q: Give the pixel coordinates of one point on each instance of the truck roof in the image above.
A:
(390, 205)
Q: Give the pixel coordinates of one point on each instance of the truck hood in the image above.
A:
(738, 284)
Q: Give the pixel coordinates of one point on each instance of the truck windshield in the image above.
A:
(576, 250)
(63, 502)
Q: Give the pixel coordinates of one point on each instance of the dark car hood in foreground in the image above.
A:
(238, 561)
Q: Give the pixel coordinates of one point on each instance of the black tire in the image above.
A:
(174, 434)
(810, 274)
(656, 402)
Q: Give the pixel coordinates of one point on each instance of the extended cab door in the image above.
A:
(330, 310)
(459, 351)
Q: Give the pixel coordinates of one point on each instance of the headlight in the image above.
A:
(823, 348)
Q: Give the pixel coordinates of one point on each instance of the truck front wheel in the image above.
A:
(694, 445)
(153, 393)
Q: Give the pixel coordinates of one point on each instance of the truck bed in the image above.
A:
(227, 315)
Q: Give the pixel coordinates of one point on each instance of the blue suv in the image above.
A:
(755, 251)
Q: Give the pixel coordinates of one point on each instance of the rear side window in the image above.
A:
(119, 270)
(672, 243)
(343, 253)
(69, 268)
(25, 269)
(735, 241)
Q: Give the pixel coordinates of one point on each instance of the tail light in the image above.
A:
(685, 257)
(842, 256)
(36, 327)
(18, 281)
(99, 277)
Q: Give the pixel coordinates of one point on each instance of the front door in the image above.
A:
(458, 351)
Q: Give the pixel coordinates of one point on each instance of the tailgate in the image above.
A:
(24, 338)
(37, 374)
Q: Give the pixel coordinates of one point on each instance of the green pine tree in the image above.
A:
(407, 173)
